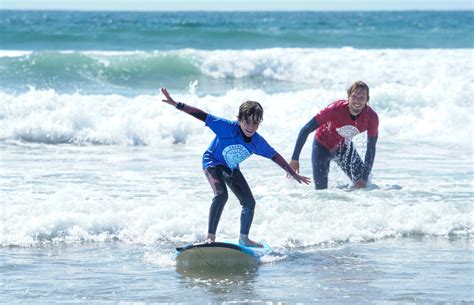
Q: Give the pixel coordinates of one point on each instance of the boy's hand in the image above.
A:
(169, 99)
(302, 179)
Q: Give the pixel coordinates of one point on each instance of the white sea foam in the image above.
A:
(333, 67)
(158, 195)
(128, 167)
(14, 53)
(329, 68)
(431, 113)
(419, 95)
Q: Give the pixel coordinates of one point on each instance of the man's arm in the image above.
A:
(368, 163)
(195, 112)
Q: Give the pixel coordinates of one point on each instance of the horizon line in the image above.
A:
(235, 10)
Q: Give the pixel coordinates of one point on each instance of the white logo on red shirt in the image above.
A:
(347, 132)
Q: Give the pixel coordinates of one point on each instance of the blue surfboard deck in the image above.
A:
(219, 255)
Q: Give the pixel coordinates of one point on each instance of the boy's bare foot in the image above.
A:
(244, 240)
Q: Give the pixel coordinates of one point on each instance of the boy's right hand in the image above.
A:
(169, 99)
(303, 179)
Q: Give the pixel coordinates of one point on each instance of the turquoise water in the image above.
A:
(100, 181)
(210, 31)
(133, 53)
(379, 272)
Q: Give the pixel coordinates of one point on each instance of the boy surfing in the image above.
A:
(234, 142)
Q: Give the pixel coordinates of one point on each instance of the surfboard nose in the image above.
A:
(218, 255)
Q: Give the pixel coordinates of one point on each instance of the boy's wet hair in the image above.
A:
(356, 85)
(251, 111)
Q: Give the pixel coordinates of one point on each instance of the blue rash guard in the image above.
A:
(221, 166)
(229, 147)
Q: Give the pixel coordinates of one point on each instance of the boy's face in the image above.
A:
(248, 126)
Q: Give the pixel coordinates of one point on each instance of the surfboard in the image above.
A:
(219, 255)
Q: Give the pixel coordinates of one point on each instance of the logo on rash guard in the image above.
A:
(347, 132)
(234, 154)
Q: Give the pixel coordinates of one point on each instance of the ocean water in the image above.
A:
(100, 181)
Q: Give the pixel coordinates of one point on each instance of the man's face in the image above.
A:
(357, 101)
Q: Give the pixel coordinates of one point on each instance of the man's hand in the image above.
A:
(360, 184)
(295, 165)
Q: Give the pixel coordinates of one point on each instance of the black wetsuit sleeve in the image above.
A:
(369, 156)
(195, 112)
(311, 126)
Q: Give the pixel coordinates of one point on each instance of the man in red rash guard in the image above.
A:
(335, 127)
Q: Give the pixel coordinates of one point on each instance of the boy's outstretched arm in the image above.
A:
(283, 164)
(195, 112)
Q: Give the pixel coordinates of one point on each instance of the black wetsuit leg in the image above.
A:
(350, 162)
(218, 177)
(215, 176)
(321, 158)
(241, 189)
